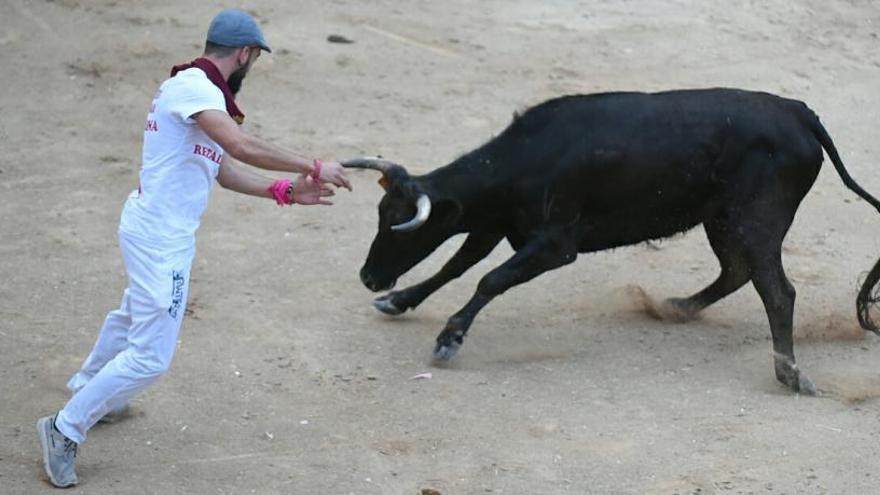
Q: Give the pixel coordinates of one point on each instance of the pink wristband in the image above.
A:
(279, 190)
(316, 170)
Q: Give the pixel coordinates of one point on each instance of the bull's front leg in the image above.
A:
(540, 254)
(476, 247)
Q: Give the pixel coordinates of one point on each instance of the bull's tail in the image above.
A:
(826, 142)
(869, 294)
(868, 297)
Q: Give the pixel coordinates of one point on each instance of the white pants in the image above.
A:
(137, 341)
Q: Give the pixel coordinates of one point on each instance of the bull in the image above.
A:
(585, 173)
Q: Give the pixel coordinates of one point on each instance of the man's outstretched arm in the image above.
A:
(304, 190)
(252, 150)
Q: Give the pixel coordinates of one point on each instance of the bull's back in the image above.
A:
(639, 166)
(644, 129)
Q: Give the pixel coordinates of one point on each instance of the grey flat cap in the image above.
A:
(236, 28)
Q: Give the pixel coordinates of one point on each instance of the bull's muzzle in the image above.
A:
(374, 285)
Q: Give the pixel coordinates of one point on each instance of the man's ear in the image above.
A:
(243, 52)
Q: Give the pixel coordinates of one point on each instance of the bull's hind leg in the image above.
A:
(749, 247)
(761, 227)
(778, 296)
(734, 274)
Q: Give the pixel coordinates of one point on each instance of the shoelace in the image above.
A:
(69, 447)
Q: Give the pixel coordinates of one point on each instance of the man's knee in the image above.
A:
(148, 362)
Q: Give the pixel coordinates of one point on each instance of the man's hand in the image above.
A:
(307, 191)
(333, 173)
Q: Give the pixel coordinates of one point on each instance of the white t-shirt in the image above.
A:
(180, 162)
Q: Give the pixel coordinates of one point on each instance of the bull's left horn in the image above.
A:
(424, 210)
(372, 163)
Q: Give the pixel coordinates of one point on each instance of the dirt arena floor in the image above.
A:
(286, 380)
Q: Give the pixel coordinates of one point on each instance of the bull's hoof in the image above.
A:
(386, 305)
(792, 377)
(805, 385)
(446, 351)
(677, 310)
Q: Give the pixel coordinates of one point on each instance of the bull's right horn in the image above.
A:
(424, 211)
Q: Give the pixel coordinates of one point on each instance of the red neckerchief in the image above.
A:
(215, 77)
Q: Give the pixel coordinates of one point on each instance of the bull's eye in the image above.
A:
(402, 215)
(395, 210)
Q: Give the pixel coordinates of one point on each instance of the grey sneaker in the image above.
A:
(59, 453)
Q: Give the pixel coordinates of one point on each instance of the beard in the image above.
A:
(237, 78)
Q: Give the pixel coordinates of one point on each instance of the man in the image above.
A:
(191, 126)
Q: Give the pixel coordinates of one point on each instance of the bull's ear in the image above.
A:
(385, 183)
(447, 211)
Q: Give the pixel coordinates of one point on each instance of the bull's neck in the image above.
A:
(470, 180)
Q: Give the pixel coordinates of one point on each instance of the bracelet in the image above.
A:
(316, 170)
(282, 191)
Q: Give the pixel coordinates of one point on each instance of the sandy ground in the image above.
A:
(287, 381)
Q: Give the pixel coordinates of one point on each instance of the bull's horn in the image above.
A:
(373, 163)
(424, 210)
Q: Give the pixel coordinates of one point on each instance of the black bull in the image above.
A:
(584, 173)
